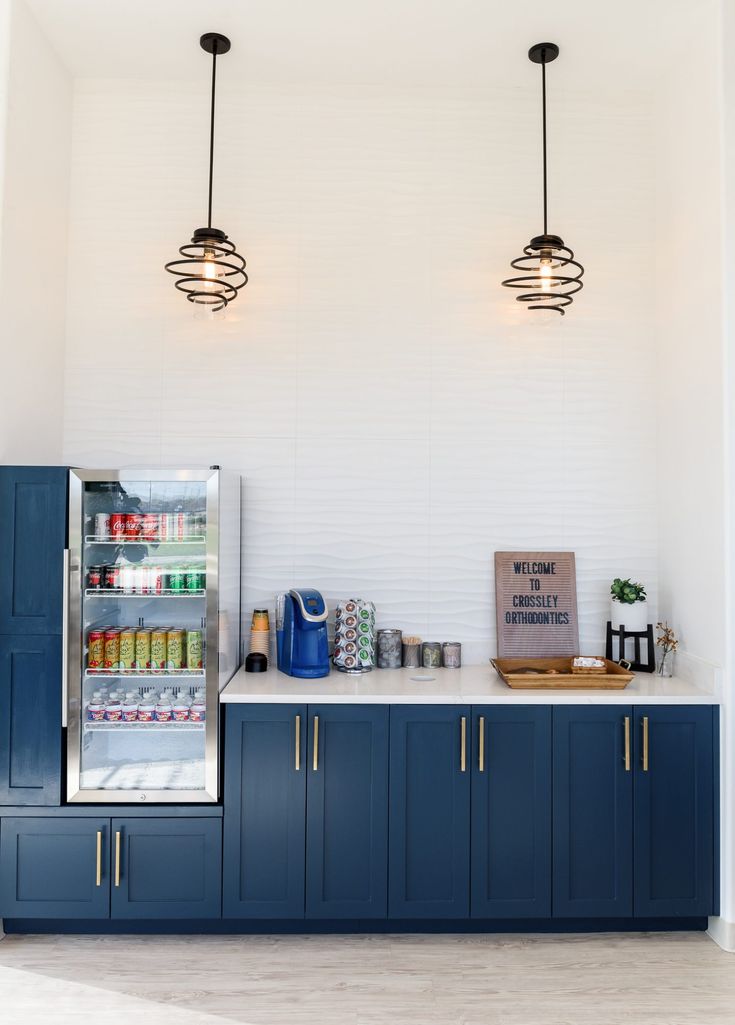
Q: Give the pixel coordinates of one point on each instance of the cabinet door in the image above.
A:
(54, 868)
(511, 812)
(673, 824)
(429, 864)
(347, 812)
(166, 868)
(265, 811)
(32, 540)
(30, 720)
(593, 811)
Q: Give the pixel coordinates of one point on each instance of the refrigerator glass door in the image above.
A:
(142, 718)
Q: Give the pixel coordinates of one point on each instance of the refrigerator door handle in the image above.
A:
(65, 643)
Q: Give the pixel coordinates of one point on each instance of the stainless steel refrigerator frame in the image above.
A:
(222, 625)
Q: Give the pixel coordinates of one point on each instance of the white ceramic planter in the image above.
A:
(633, 617)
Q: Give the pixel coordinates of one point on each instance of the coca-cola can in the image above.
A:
(181, 525)
(142, 579)
(102, 525)
(151, 526)
(117, 525)
(133, 525)
(94, 578)
(127, 578)
(167, 527)
(156, 580)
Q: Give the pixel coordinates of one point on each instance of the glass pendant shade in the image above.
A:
(210, 272)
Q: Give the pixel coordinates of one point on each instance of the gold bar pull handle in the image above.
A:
(117, 858)
(626, 730)
(99, 858)
(481, 745)
(645, 742)
(463, 744)
(315, 764)
(297, 751)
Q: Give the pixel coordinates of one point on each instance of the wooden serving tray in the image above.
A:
(534, 674)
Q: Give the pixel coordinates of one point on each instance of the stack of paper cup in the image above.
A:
(260, 633)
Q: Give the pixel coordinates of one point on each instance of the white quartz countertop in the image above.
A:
(471, 685)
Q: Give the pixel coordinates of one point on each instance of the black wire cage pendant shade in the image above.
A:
(550, 276)
(210, 272)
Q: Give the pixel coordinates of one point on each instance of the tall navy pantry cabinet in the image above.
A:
(33, 514)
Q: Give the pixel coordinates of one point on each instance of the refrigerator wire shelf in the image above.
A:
(167, 592)
(136, 539)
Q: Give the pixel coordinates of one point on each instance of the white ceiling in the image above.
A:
(445, 42)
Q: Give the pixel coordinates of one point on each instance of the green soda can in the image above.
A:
(194, 658)
(176, 579)
(194, 580)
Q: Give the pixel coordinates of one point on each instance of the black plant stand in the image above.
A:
(649, 666)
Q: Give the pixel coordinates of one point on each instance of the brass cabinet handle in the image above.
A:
(645, 743)
(99, 858)
(297, 753)
(117, 858)
(481, 745)
(463, 744)
(626, 726)
(315, 764)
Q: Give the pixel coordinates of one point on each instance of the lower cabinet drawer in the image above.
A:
(54, 868)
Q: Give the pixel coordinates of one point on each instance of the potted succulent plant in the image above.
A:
(628, 605)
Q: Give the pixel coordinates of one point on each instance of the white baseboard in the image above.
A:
(722, 932)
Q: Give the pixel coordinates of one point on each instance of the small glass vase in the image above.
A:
(665, 667)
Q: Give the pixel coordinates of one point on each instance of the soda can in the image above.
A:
(156, 583)
(112, 649)
(102, 525)
(175, 649)
(195, 582)
(127, 578)
(133, 525)
(159, 649)
(94, 578)
(95, 650)
(176, 579)
(127, 649)
(117, 526)
(151, 527)
(181, 526)
(141, 576)
(111, 578)
(194, 654)
(142, 649)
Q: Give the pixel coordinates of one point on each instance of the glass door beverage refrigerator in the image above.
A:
(152, 613)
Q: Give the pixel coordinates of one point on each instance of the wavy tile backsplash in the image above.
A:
(396, 419)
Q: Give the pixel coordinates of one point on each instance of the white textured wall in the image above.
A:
(35, 134)
(398, 419)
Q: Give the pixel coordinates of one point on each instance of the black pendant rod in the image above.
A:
(543, 95)
(211, 134)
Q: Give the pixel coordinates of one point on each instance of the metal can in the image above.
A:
(142, 649)
(176, 579)
(102, 525)
(156, 584)
(389, 649)
(181, 526)
(127, 649)
(117, 526)
(431, 654)
(159, 649)
(111, 577)
(94, 578)
(194, 653)
(95, 650)
(194, 580)
(127, 578)
(112, 649)
(452, 654)
(151, 526)
(141, 578)
(175, 649)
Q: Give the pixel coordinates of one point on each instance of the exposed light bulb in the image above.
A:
(209, 271)
(545, 272)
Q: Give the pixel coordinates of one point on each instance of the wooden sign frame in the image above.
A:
(536, 604)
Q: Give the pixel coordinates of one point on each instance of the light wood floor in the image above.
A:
(661, 979)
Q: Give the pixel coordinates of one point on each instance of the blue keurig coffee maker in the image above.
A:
(301, 633)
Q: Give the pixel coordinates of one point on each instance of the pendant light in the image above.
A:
(211, 271)
(551, 276)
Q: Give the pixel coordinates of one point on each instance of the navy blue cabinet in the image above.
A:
(265, 811)
(430, 772)
(166, 868)
(32, 541)
(30, 719)
(55, 868)
(511, 812)
(347, 812)
(674, 810)
(593, 811)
